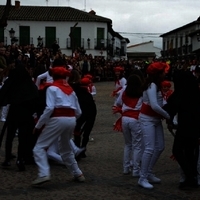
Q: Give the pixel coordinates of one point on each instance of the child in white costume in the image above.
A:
(54, 154)
(92, 89)
(120, 82)
(59, 120)
(151, 123)
(130, 99)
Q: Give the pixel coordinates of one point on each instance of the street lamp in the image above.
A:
(40, 42)
(12, 33)
(12, 36)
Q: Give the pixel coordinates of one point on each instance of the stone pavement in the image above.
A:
(102, 169)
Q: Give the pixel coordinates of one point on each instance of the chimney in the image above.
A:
(17, 5)
(92, 12)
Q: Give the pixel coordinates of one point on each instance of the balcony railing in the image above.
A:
(100, 44)
(75, 43)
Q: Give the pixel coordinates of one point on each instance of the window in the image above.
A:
(75, 37)
(50, 36)
(24, 35)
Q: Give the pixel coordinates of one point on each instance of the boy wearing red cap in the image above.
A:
(59, 120)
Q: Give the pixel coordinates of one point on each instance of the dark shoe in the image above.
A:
(20, 165)
(6, 164)
(78, 158)
(83, 155)
(188, 184)
(79, 151)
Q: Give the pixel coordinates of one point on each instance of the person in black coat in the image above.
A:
(185, 101)
(86, 121)
(20, 92)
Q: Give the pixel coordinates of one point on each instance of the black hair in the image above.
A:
(58, 62)
(134, 86)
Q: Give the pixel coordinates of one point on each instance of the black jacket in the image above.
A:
(20, 92)
(185, 101)
(85, 99)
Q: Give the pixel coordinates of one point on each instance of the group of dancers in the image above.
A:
(144, 104)
(54, 121)
(47, 117)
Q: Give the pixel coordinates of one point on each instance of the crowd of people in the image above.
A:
(48, 98)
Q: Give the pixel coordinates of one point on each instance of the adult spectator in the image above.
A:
(3, 63)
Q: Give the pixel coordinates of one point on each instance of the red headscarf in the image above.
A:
(118, 69)
(166, 84)
(157, 67)
(61, 71)
(61, 83)
(88, 76)
(86, 82)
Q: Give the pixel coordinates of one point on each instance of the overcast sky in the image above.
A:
(135, 16)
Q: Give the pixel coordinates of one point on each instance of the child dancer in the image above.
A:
(59, 118)
(120, 82)
(151, 123)
(131, 101)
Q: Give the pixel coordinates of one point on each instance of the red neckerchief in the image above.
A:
(90, 87)
(63, 85)
(130, 102)
(167, 94)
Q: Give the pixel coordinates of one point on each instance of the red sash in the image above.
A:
(63, 112)
(147, 110)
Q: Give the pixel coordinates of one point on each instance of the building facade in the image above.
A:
(143, 51)
(70, 27)
(183, 42)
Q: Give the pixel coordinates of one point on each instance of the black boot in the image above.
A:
(6, 164)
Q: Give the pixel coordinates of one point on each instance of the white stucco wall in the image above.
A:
(146, 47)
(88, 30)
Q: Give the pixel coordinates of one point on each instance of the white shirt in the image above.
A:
(154, 98)
(46, 76)
(119, 102)
(56, 98)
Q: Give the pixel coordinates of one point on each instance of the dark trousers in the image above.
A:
(83, 129)
(186, 152)
(26, 140)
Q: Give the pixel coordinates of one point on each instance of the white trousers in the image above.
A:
(57, 129)
(54, 154)
(153, 140)
(133, 144)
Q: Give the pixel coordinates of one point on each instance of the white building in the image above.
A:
(143, 51)
(70, 27)
(182, 42)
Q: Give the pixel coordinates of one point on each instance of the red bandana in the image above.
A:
(131, 102)
(63, 85)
